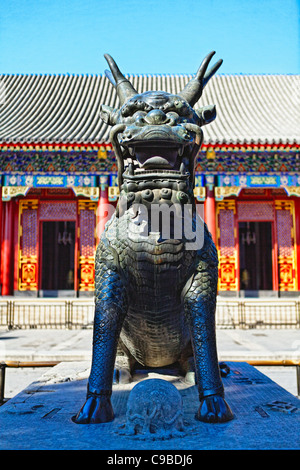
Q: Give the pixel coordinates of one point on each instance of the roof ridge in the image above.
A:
(47, 107)
(142, 75)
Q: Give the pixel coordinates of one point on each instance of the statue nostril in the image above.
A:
(127, 135)
(171, 121)
(156, 116)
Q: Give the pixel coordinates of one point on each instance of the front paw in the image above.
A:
(95, 410)
(214, 409)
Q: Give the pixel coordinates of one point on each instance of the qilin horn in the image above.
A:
(193, 90)
(124, 88)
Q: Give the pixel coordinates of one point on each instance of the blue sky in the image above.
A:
(149, 36)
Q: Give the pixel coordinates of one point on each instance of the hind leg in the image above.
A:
(200, 304)
(123, 365)
(110, 310)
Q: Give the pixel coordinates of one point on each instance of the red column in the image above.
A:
(210, 211)
(103, 207)
(16, 243)
(7, 257)
(297, 235)
(1, 230)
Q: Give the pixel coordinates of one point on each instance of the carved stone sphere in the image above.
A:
(154, 410)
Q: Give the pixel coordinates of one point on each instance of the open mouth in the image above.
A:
(158, 157)
(155, 151)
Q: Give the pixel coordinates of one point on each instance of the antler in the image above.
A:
(123, 86)
(193, 90)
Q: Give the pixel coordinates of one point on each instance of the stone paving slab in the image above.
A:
(267, 417)
(76, 345)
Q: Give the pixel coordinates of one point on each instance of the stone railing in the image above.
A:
(79, 313)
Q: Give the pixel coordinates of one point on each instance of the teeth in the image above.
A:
(180, 152)
(182, 169)
(131, 151)
(130, 169)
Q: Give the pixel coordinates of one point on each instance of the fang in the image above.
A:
(130, 169)
(182, 168)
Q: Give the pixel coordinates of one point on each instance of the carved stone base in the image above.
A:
(265, 415)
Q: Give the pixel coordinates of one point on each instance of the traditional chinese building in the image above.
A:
(57, 169)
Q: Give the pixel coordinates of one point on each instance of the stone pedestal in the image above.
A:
(266, 415)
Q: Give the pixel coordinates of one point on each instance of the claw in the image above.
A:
(224, 369)
(95, 410)
(214, 409)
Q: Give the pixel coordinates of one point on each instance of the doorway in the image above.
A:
(58, 256)
(255, 246)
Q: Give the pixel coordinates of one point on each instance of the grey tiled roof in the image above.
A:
(65, 108)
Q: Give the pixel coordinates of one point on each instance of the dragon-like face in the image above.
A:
(155, 133)
(156, 130)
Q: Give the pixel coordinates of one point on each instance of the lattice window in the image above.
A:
(254, 211)
(87, 232)
(87, 244)
(278, 192)
(284, 233)
(227, 252)
(58, 211)
(29, 232)
(287, 255)
(28, 237)
(58, 192)
(254, 192)
(226, 224)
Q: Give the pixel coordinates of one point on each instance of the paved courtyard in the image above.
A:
(76, 345)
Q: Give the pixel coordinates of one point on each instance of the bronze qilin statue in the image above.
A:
(156, 292)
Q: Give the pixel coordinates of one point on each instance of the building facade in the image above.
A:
(58, 177)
